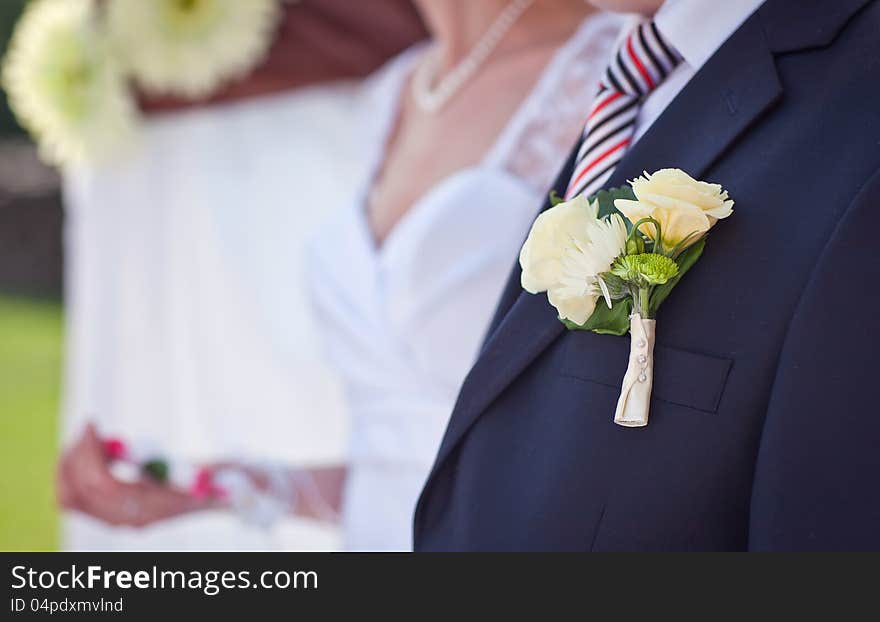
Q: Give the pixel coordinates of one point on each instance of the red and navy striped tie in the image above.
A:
(641, 63)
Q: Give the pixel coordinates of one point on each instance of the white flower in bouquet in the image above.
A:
(567, 250)
(64, 84)
(190, 47)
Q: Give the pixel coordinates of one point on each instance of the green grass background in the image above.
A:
(30, 370)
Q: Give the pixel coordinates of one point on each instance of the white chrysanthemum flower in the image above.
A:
(190, 47)
(566, 251)
(64, 85)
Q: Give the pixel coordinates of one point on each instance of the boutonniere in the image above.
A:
(608, 263)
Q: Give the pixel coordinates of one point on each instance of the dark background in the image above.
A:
(9, 11)
(30, 213)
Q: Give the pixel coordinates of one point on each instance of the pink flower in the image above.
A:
(115, 449)
(203, 486)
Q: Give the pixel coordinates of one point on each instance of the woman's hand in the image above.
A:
(85, 484)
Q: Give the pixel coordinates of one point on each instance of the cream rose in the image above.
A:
(682, 205)
(567, 248)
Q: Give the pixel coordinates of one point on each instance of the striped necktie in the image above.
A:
(642, 62)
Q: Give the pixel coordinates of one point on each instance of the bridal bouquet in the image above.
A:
(607, 264)
(198, 482)
(69, 63)
(191, 47)
(65, 85)
(258, 505)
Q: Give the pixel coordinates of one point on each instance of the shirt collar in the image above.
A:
(697, 28)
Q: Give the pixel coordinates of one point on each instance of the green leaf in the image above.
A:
(617, 287)
(685, 262)
(606, 199)
(555, 199)
(605, 321)
(156, 470)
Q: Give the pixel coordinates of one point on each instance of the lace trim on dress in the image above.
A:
(538, 140)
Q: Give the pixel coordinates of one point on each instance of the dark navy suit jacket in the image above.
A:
(765, 418)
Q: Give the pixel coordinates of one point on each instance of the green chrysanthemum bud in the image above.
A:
(635, 245)
(645, 269)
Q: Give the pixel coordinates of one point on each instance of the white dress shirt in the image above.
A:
(696, 28)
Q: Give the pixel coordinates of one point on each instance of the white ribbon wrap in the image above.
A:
(635, 394)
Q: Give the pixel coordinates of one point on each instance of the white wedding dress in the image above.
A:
(403, 322)
(188, 322)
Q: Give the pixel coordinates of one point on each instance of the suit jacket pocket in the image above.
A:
(680, 377)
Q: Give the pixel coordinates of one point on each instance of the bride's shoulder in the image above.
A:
(552, 116)
(382, 87)
(597, 36)
(571, 77)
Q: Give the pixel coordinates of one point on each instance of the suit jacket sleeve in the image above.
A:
(817, 478)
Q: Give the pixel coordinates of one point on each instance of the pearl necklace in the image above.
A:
(430, 97)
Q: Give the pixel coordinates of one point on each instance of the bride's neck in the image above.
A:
(456, 25)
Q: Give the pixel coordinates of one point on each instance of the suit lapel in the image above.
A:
(788, 27)
(729, 94)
